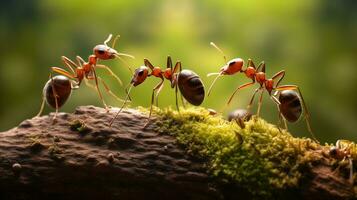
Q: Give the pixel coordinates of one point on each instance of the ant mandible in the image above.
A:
(188, 82)
(59, 88)
(291, 112)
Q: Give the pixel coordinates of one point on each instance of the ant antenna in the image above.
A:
(108, 39)
(214, 81)
(218, 49)
(126, 100)
(115, 40)
(125, 63)
(126, 55)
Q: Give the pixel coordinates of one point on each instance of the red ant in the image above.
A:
(342, 151)
(189, 83)
(270, 85)
(60, 86)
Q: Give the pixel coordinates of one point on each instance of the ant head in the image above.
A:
(140, 75)
(233, 66)
(104, 52)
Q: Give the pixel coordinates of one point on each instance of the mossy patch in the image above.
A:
(263, 159)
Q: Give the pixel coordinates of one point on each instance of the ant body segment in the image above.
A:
(240, 116)
(188, 82)
(257, 75)
(58, 88)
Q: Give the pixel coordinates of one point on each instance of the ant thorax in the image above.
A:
(156, 72)
(250, 72)
(269, 85)
(260, 78)
(168, 74)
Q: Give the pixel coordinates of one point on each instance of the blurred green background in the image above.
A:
(314, 41)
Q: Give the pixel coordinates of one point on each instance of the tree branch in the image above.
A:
(81, 157)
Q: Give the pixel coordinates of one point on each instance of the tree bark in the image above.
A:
(80, 156)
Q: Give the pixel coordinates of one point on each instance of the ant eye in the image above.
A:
(232, 63)
(141, 73)
(101, 51)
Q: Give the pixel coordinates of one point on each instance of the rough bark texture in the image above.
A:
(41, 160)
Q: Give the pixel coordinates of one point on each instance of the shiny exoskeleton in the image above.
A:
(188, 82)
(290, 105)
(57, 90)
(87, 71)
(191, 87)
(240, 116)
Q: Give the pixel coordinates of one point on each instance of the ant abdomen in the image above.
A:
(191, 87)
(240, 116)
(290, 105)
(62, 88)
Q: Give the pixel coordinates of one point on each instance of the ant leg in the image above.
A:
(183, 101)
(121, 108)
(98, 90)
(240, 87)
(43, 101)
(252, 99)
(307, 113)
(56, 100)
(261, 67)
(63, 72)
(231, 97)
(176, 99)
(174, 80)
(80, 60)
(157, 95)
(280, 116)
(279, 75)
(169, 63)
(260, 102)
(148, 64)
(107, 89)
(42, 106)
(86, 81)
(69, 63)
(157, 87)
(111, 73)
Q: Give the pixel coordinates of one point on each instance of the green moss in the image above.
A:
(266, 161)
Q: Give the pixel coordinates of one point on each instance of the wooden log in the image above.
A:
(81, 157)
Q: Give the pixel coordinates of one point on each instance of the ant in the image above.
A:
(188, 82)
(271, 85)
(342, 151)
(240, 116)
(58, 88)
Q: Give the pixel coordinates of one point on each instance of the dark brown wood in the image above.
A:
(39, 160)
